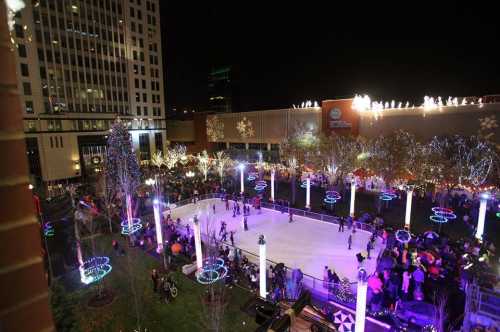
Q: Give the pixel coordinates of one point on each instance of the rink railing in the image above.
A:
(296, 212)
(322, 291)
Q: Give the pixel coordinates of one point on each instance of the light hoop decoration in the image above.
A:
(442, 215)
(251, 176)
(303, 184)
(388, 195)
(48, 229)
(212, 271)
(331, 197)
(260, 185)
(136, 225)
(403, 236)
(94, 269)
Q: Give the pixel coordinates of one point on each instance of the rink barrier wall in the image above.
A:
(320, 290)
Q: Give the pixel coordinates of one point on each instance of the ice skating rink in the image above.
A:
(305, 243)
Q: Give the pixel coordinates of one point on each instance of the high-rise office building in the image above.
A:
(221, 83)
(82, 64)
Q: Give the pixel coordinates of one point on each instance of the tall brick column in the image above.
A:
(24, 297)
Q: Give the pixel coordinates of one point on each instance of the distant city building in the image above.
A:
(221, 86)
(80, 65)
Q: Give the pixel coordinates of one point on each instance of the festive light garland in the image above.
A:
(211, 271)
(403, 236)
(136, 225)
(48, 229)
(331, 197)
(95, 269)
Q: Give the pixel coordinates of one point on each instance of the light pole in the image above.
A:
(409, 198)
(262, 269)
(308, 192)
(353, 197)
(242, 180)
(361, 300)
(159, 233)
(272, 184)
(197, 242)
(483, 199)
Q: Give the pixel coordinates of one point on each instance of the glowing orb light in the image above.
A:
(403, 236)
(94, 269)
(48, 229)
(331, 197)
(136, 225)
(212, 271)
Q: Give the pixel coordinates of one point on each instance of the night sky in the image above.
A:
(287, 52)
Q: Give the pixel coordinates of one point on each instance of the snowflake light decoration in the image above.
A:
(245, 128)
(215, 129)
(488, 122)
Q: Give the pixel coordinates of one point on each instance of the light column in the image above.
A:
(197, 242)
(483, 199)
(361, 301)
(159, 231)
(353, 196)
(272, 185)
(308, 192)
(409, 199)
(129, 212)
(262, 268)
(242, 180)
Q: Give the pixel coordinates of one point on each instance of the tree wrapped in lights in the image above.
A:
(459, 161)
(344, 292)
(204, 163)
(392, 156)
(174, 155)
(222, 162)
(122, 168)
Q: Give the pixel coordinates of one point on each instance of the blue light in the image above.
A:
(331, 197)
(136, 225)
(303, 184)
(48, 230)
(403, 236)
(94, 269)
(211, 271)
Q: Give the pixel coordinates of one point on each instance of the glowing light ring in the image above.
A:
(331, 197)
(438, 219)
(136, 225)
(260, 185)
(387, 195)
(447, 215)
(48, 230)
(252, 176)
(403, 236)
(438, 209)
(211, 272)
(303, 184)
(95, 269)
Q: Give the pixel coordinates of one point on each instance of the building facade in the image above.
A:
(271, 127)
(221, 84)
(82, 64)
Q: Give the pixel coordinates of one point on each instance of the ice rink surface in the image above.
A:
(305, 243)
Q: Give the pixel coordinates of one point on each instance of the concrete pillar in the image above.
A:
(22, 275)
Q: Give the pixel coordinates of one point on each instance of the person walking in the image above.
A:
(341, 224)
(290, 216)
(406, 284)
(368, 248)
(245, 224)
(349, 241)
(326, 277)
(154, 279)
(213, 208)
(231, 237)
(227, 204)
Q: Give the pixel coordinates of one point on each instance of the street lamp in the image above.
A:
(361, 300)
(483, 199)
(242, 182)
(262, 269)
(308, 192)
(353, 197)
(272, 184)
(197, 242)
(159, 233)
(409, 198)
